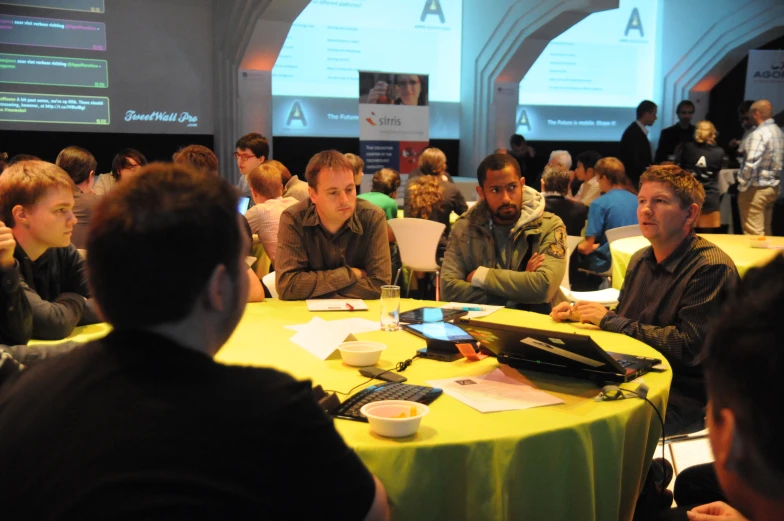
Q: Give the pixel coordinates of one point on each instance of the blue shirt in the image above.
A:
(614, 209)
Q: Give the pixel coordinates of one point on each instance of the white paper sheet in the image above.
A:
(494, 392)
(338, 304)
(321, 337)
(483, 310)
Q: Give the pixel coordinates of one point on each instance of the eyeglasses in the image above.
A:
(244, 157)
(410, 83)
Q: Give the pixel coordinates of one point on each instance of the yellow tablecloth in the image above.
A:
(581, 460)
(736, 246)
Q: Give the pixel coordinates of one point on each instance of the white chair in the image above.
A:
(417, 240)
(571, 244)
(269, 282)
(632, 230)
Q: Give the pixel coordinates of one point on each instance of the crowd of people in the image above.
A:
(159, 252)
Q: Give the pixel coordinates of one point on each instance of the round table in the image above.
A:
(580, 460)
(736, 246)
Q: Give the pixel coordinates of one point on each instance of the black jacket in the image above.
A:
(669, 140)
(16, 321)
(572, 213)
(635, 152)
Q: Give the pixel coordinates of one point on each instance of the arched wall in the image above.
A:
(501, 40)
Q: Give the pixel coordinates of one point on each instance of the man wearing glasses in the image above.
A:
(252, 150)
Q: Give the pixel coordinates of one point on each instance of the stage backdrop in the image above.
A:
(765, 77)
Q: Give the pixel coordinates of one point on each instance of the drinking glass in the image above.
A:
(390, 308)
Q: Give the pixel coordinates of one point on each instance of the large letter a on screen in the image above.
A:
(634, 24)
(296, 114)
(432, 7)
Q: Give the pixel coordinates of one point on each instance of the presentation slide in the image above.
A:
(48, 70)
(315, 78)
(139, 66)
(90, 6)
(587, 83)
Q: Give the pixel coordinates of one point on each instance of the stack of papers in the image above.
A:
(494, 392)
(321, 337)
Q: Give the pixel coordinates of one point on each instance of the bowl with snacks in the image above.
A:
(759, 241)
(394, 418)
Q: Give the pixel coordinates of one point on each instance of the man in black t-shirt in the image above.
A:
(144, 424)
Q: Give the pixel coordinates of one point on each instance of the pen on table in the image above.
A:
(349, 306)
(471, 308)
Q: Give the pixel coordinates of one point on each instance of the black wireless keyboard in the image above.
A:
(349, 410)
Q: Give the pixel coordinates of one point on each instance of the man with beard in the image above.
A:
(144, 424)
(506, 250)
(332, 245)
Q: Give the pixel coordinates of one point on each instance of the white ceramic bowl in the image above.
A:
(384, 417)
(361, 354)
(759, 242)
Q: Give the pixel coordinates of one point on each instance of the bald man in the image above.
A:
(760, 173)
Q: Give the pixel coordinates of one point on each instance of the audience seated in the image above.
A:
(266, 186)
(430, 160)
(432, 196)
(293, 186)
(759, 178)
(359, 167)
(555, 185)
(671, 290)
(80, 165)
(673, 138)
(36, 202)
(584, 172)
(144, 424)
(126, 162)
(252, 150)
(703, 158)
(506, 250)
(198, 157)
(332, 245)
(616, 208)
(635, 148)
(385, 184)
(743, 362)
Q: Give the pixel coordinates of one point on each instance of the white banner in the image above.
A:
(765, 78)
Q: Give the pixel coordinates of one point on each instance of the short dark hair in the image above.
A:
(684, 103)
(645, 107)
(326, 160)
(77, 162)
(197, 157)
(155, 240)
(120, 161)
(612, 169)
(22, 157)
(555, 178)
(256, 143)
(495, 162)
(589, 158)
(386, 181)
(745, 106)
(516, 140)
(25, 182)
(743, 362)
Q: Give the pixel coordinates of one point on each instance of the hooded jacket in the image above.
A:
(471, 248)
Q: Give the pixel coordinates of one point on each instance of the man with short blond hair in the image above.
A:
(671, 289)
(36, 202)
(332, 245)
(264, 218)
(760, 173)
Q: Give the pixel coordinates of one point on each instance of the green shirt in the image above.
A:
(383, 201)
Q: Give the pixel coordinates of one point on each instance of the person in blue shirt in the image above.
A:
(615, 208)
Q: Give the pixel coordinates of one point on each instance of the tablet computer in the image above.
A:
(430, 314)
(443, 331)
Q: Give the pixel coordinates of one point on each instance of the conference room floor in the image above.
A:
(583, 459)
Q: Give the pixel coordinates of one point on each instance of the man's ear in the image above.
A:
(694, 213)
(312, 194)
(215, 296)
(724, 441)
(21, 215)
(480, 193)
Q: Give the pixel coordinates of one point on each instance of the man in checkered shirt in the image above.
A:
(760, 173)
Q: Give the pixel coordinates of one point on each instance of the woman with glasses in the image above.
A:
(407, 89)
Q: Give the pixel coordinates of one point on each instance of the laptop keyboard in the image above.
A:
(349, 410)
(624, 362)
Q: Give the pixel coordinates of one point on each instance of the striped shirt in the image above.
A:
(764, 159)
(313, 263)
(668, 305)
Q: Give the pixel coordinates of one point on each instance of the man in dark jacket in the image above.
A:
(678, 134)
(555, 185)
(635, 148)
